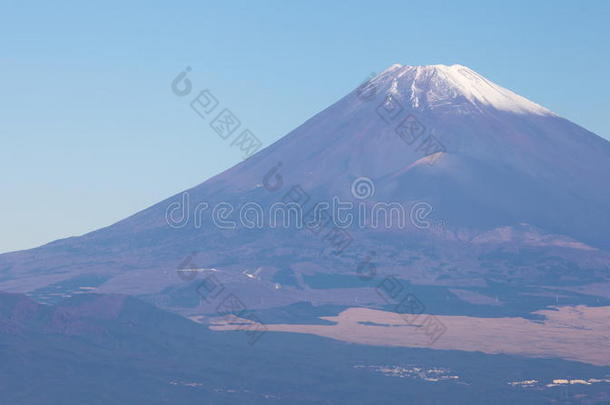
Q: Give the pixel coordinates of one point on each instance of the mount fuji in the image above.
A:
(520, 195)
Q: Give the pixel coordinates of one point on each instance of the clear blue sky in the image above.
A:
(91, 133)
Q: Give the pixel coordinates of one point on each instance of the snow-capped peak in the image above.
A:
(439, 85)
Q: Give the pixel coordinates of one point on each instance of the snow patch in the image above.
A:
(440, 85)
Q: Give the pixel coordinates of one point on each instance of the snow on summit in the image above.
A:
(456, 85)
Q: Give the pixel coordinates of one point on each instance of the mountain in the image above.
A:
(100, 349)
(488, 189)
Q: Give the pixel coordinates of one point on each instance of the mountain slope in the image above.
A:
(482, 157)
(100, 349)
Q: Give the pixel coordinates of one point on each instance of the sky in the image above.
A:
(91, 132)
